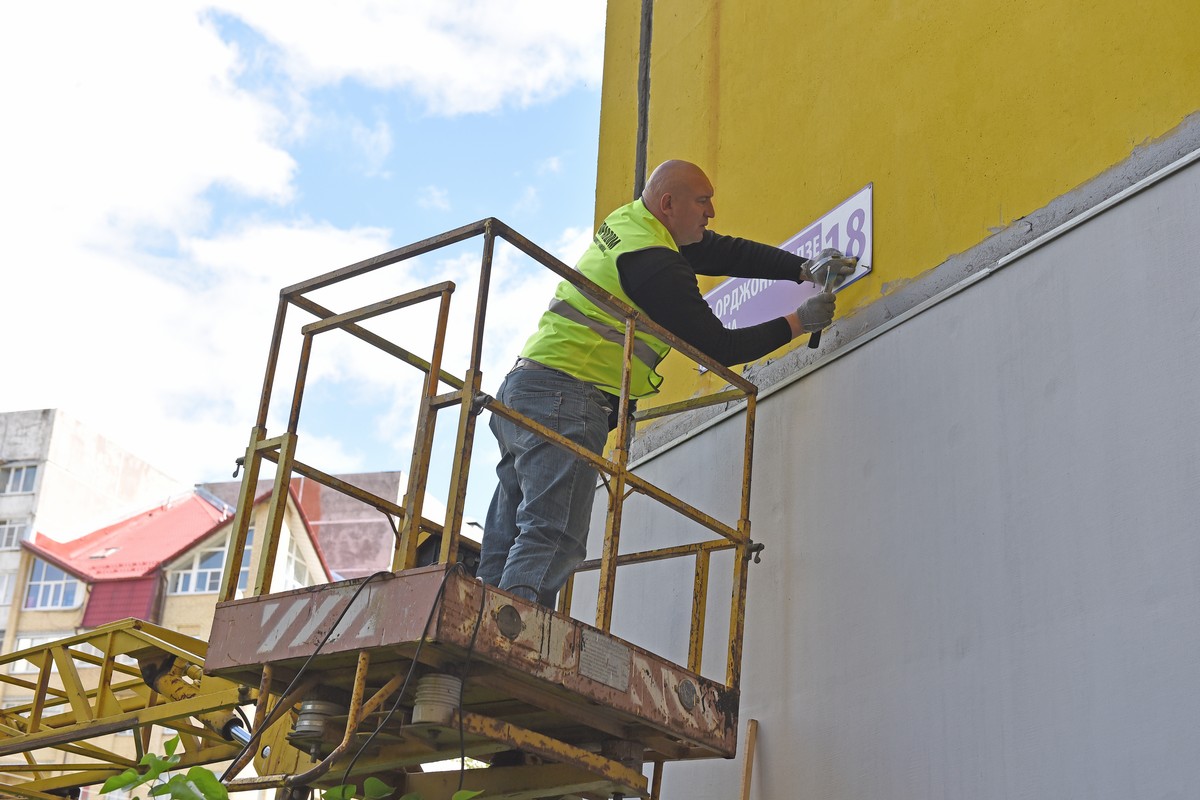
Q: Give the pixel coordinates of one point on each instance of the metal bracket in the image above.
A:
(479, 403)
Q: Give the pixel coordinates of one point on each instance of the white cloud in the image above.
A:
(553, 164)
(571, 244)
(434, 197)
(459, 56)
(158, 354)
(375, 142)
(115, 129)
(529, 202)
(126, 305)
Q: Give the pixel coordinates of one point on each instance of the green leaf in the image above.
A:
(343, 791)
(126, 778)
(375, 789)
(466, 794)
(178, 788)
(412, 796)
(170, 745)
(208, 784)
(157, 766)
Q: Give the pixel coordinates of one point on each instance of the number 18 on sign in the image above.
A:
(740, 302)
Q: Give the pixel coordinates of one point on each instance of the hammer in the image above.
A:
(833, 261)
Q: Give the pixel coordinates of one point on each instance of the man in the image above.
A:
(648, 254)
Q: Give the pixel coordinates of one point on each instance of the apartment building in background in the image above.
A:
(59, 478)
(163, 565)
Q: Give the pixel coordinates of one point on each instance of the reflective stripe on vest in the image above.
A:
(582, 339)
(641, 350)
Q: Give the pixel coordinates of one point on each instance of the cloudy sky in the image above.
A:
(167, 167)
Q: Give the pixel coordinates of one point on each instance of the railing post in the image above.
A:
(269, 547)
(741, 557)
(616, 491)
(699, 608)
(566, 594)
(283, 475)
(252, 462)
(418, 474)
(465, 441)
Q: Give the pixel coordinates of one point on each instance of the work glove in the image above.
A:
(844, 266)
(816, 312)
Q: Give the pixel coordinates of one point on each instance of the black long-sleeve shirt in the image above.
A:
(663, 284)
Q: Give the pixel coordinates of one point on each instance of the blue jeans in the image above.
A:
(537, 525)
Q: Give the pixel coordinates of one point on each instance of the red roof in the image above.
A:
(137, 546)
(123, 562)
(110, 601)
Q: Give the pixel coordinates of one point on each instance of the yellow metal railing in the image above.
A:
(465, 393)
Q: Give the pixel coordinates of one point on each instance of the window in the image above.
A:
(17, 480)
(51, 587)
(7, 581)
(295, 571)
(12, 533)
(32, 641)
(200, 572)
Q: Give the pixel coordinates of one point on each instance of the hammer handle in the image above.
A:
(831, 276)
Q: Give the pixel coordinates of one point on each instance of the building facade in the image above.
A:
(979, 496)
(163, 565)
(60, 478)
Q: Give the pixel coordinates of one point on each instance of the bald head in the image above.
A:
(679, 195)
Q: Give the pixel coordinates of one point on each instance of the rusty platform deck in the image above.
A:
(527, 669)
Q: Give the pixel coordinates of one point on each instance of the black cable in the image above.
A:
(462, 687)
(256, 735)
(411, 669)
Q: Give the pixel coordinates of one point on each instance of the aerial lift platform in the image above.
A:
(423, 663)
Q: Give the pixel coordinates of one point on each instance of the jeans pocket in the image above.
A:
(542, 406)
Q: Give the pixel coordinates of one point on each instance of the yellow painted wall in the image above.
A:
(966, 116)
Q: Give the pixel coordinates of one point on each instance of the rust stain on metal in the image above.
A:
(582, 667)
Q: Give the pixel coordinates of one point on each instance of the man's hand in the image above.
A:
(816, 313)
(817, 270)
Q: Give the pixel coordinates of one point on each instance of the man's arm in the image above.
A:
(716, 254)
(663, 284)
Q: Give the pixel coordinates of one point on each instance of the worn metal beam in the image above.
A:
(378, 341)
(385, 259)
(376, 309)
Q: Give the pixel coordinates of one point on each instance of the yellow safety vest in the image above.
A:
(581, 339)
